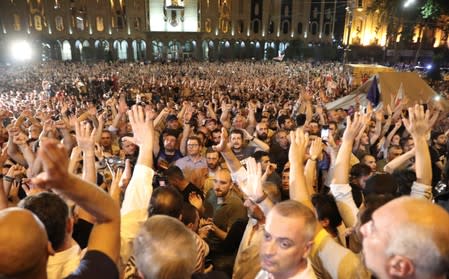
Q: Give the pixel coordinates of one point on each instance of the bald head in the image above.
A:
(407, 238)
(23, 246)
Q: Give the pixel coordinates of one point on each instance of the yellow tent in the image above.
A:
(414, 88)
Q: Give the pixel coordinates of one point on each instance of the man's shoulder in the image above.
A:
(92, 262)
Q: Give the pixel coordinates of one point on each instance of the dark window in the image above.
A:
(299, 28)
(285, 27)
(256, 26)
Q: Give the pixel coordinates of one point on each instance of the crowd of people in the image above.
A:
(205, 170)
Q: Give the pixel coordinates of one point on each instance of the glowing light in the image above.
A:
(437, 98)
(21, 50)
(408, 3)
(428, 67)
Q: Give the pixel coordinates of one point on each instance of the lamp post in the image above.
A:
(406, 4)
(350, 13)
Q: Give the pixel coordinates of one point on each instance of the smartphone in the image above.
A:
(325, 132)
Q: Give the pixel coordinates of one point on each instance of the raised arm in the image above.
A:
(340, 181)
(315, 152)
(378, 130)
(260, 144)
(399, 161)
(353, 128)
(85, 137)
(223, 147)
(105, 235)
(139, 190)
(296, 155)
(418, 125)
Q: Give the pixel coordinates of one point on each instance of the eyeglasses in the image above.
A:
(193, 145)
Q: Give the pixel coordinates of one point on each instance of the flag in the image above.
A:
(399, 96)
(373, 94)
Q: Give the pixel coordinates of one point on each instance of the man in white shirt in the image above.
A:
(288, 239)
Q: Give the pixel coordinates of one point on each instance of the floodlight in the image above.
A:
(21, 50)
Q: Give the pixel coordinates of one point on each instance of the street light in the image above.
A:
(408, 3)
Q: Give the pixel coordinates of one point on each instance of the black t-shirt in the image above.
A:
(435, 156)
(95, 265)
(81, 232)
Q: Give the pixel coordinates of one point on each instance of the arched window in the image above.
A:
(66, 51)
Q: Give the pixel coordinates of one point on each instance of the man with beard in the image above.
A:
(213, 165)
(438, 154)
(279, 150)
(286, 123)
(262, 132)
(242, 150)
(168, 154)
(228, 212)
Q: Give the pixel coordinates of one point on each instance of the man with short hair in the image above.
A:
(243, 150)
(279, 150)
(227, 211)
(286, 123)
(438, 154)
(53, 212)
(370, 161)
(264, 159)
(402, 240)
(393, 152)
(288, 238)
(24, 245)
(193, 165)
(157, 246)
(263, 132)
(213, 165)
(168, 154)
(176, 178)
(107, 143)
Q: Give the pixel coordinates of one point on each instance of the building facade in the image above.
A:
(138, 30)
(364, 27)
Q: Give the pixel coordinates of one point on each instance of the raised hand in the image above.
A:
(195, 200)
(353, 127)
(55, 165)
(298, 146)
(316, 148)
(253, 186)
(418, 124)
(115, 184)
(20, 139)
(85, 137)
(142, 125)
(224, 145)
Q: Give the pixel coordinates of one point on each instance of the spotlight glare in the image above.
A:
(21, 51)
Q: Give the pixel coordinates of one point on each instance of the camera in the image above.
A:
(115, 162)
